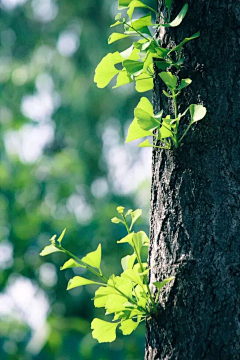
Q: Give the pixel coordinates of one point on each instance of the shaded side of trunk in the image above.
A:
(195, 199)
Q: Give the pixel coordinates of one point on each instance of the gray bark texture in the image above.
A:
(195, 197)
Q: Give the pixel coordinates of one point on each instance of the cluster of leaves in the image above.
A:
(137, 65)
(127, 296)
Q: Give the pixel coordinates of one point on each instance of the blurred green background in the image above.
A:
(63, 164)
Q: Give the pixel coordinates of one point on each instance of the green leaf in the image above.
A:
(137, 4)
(133, 276)
(122, 4)
(127, 239)
(142, 22)
(71, 263)
(102, 294)
(135, 215)
(178, 47)
(144, 83)
(115, 37)
(61, 236)
(103, 331)
(49, 250)
(145, 143)
(127, 262)
(135, 132)
(145, 105)
(106, 70)
(145, 121)
(115, 303)
(139, 239)
(160, 285)
(128, 326)
(122, 79)
(179, 18)
(169, 79)
(132, 66)
(168, 4)
(167, 94)
(184, 83)
(116, 220)
(77, 281)
(116, 23)
(197, 112)
(94, 258)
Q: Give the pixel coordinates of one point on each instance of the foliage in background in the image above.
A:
(137, 65)
(127, 296)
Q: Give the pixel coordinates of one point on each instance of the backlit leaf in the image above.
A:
(135, 132)
(169, 79)
(160, 285)
(135, 215)
(184, 83)
(197, 112)
(106, 70)
(71, 263)
(128, 326)
(145, 120)
(179, 18)
(144, 83)
(115, 37)
(49, 250)
(103, 331)
(128, 261)
(94, 258)
(145, 143)
(77, 281)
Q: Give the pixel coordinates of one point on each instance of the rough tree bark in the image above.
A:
(195, 203)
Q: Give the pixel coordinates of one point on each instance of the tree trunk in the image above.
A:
(195, 203)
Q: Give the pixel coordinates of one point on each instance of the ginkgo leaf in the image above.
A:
(179, 18)
(145, 143)
(115, 37)
(127, 239)
(135, 215)
(133, 276)
(77, 281)
(106, 70)
(61, 236)
(161, 284)
(135, 132)
(123, 79)
(197, 112)
(104, 331)
(145, 120)
(128, 326)
(132, 66)
(127, 262)
(142, 22)
(169, 79)
(122, 4)
(138, 240)
(102, 294)
(184, 83)
(94, 258)
(115, 303)
(71, 263)
(144, 82)
(49, 250)
(136, 4)
(179, 46)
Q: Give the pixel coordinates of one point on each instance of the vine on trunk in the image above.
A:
(128, 296)
(137, 66)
